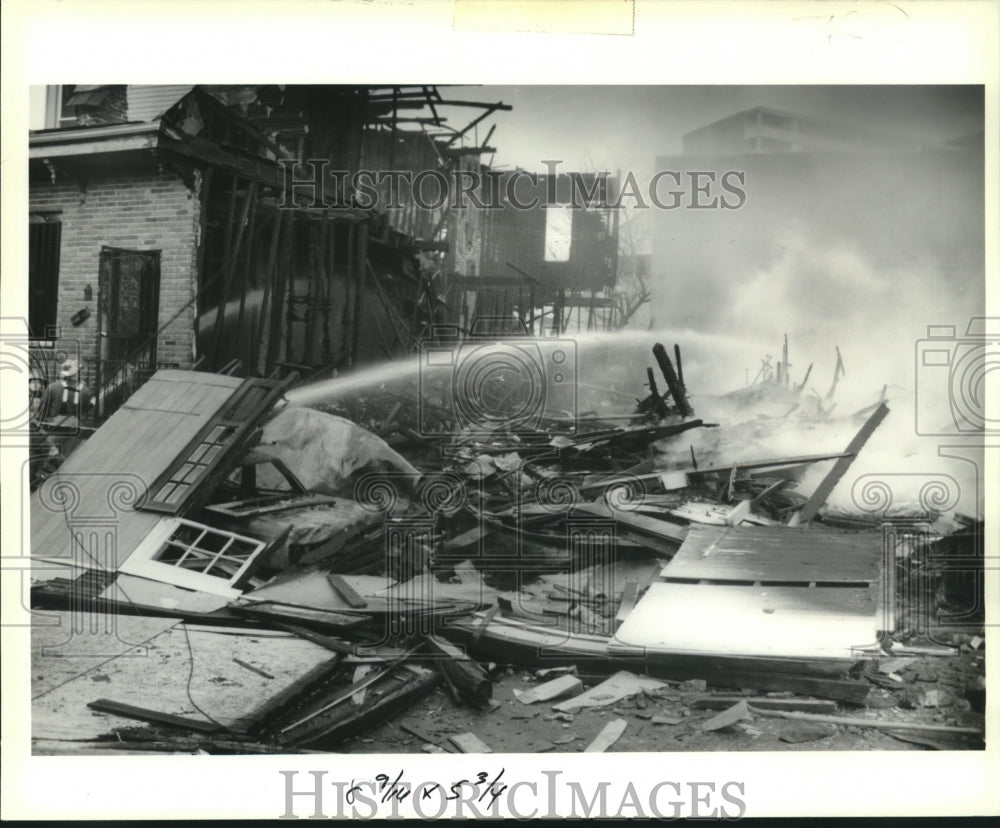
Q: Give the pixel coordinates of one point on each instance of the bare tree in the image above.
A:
(632, 289)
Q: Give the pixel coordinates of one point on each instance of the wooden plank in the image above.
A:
(327, 642)
(288, 612)
(776, 554)
(470, 743)
(621, 685)
(640, 524)
(502, 107)
(276, 707)
(346, 592)
(673, 384)
(424, 737)
(629, 596)
(471, 682)
(247, 666)
(338, 697)
(132, 712)
(764, 703)
(750, 621)
(729, 716)
(773, 463)
(723, 673)
(342, 721)
(483, 622)
(57, 747)
(827, 485)
(554, 689)
(853, 721)
(610, 734)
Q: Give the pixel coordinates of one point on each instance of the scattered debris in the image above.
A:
(610, 734)
(737, 713)
(554, 689)
(621, 685)
(892, 665)
(469, 679)
(470, 743)
(725, 702)
(133, 712)
(876, 723)
(253, 669)
(583, 548)
(556, 671)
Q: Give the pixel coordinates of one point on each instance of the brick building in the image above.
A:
(164, 232)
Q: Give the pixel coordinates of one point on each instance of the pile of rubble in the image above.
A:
(362, 563)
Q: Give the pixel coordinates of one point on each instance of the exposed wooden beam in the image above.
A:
(469, 126)
(467, 151)
(502, 107)
(387, 96)
(387, 104)
(381, 119)
(829, 483)
(489, 135)
(430, 100)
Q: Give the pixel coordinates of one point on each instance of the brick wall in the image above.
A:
(136, 212)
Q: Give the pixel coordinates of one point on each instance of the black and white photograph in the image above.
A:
(372, 417)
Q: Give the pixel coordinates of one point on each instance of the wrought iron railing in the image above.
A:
(115, 381)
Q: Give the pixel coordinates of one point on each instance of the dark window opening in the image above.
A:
(44, 236)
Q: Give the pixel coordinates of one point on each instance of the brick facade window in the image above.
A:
(44, 237)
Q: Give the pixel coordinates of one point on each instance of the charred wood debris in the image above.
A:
(525, 550)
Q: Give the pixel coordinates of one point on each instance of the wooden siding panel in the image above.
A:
(776, 554)
(145, 103)
(787, 622)
(136, 444)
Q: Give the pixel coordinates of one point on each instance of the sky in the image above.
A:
(628, 127)
(860, 253)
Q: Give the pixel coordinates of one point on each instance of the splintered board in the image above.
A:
(775, 622)
(752, 554)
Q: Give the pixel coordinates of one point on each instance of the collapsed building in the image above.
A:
(583, 551)
(479, 530)
(190, 227)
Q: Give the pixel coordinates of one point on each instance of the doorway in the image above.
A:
(128, 311)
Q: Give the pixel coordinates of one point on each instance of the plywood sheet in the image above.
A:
(776, 554)
(66, 645)
(795, 622)
(133, 589)
(182, 672)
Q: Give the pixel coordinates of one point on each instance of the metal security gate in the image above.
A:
(128, 308)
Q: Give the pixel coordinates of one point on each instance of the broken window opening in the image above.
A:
(196, 556)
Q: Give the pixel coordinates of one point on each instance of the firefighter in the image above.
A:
(65, 402)
(67, 397)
